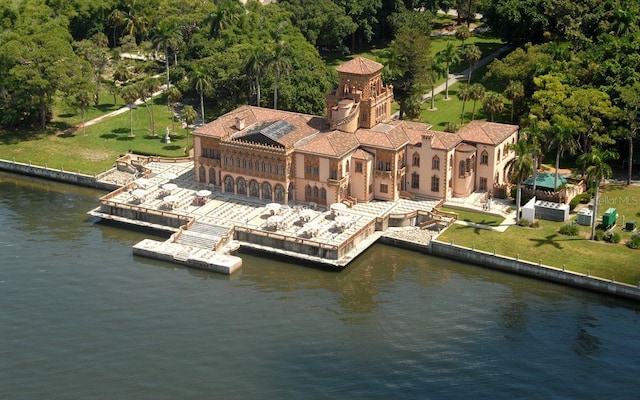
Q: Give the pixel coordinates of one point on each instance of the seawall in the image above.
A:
(60, 175)
(520, 267)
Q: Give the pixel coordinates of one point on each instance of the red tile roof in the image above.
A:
(335, 144)
(486, 132)
(360, 66)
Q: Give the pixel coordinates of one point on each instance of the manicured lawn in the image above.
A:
(576, 253)
(98, 149)
(476, 217)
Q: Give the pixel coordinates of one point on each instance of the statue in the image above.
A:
(167, 139)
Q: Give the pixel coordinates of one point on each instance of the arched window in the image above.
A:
(435, 162)
(315, 192)
(278, 191)
(254, 188)
(498, 158)
(228, 184)
(484, 157)
(291, 190)
(307, 193)
(202, 174)
(461, 169)
(266, 191)
(242, 186)
(323, 194)
(416, 160)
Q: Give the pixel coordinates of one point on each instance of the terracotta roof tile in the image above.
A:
(486, 132)
(362, 155)
(360, 66)
(334, 144)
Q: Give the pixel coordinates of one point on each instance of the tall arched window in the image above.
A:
(307, 193)
(416, 160)
(228, 184)
(484, 157)
(291, 190)
(461, 169)
(266, 191)
(278, 191)
(435, 162)
(202, 174)
(212, 175)
(254, 188)
(242, 186)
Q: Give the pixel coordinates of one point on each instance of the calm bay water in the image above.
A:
(82, 318)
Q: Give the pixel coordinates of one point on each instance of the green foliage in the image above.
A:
(569, 229)
(599, 235)
(612, 237)
(581, 198)
(634, 241)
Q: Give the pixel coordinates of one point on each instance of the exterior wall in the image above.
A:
(425, 171)
(463, 173)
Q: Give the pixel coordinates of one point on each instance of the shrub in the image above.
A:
(569, 229)
(524, 222)
(599, 234)
(612, 237)
(581, 198)
(634, 241)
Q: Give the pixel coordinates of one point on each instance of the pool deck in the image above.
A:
(206, 237)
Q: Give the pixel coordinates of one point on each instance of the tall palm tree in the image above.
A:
(279, 62)
(463, 33)
(464, 94)
(514, 92)
(471, 54)
(448, 56)
(521, 168)
(597, 170)
(563, 139)
(476, 92)
(189, 115)
(226, 13)
(173, 97)
(130, 94)
(135, 20)
(254, 66)
(493, 103)
(436, 71)
(147, 88)
(201, 81)
(166, 35)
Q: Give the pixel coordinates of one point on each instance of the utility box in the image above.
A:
(630, 226)
(584, 217)
(609, 218)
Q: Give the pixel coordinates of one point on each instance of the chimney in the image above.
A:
(240, 123)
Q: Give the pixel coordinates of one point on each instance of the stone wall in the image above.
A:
(75, 178)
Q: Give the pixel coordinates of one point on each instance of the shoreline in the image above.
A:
(391, 237)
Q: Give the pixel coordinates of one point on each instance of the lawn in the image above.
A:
(476, 217)
(576, 253)
(98, 149)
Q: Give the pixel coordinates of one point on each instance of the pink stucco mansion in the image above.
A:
(355, 153)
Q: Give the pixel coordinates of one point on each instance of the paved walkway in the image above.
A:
(476, 202)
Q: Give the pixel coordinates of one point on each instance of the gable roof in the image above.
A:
(334, 144)
(360, 66)
(486, 132)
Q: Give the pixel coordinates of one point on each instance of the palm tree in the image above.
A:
(130, 94)
(173, 97)
(436, 71)
(476, 92)
(166, 35)
(563, 139)
(225, 14)
(134, 19)
(493, 103)
(147, 88)
(254, 65)
(630, 96)
(521, 169)
(201, 81)
(464, 94)
(279, 62)
(597, 170)
(534, 137)
(471, 54)
(189, 115)
(448, 56)
(514, 92)
(463, 33)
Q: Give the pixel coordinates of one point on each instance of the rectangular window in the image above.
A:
(387, 166)
(316, 171)
(483, 183)
(307, 169)
(416, 160)
(380, 165)
(435, 163)
(415, 181)
(384, 188)
(435, 183)
(484, 159)
(358, 166)
(334, 174)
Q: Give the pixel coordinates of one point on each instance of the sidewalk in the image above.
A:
(476, 202)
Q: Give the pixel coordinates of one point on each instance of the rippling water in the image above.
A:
(81, 317)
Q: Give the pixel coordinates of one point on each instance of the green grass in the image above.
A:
(576, 253)
(98, 149)
(476, 217)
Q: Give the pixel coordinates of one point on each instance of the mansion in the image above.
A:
(355, 153)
